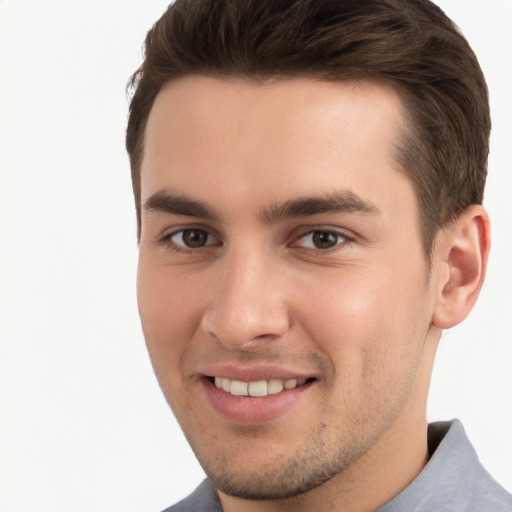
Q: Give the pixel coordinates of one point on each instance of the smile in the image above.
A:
(258, 388)
(254, 398)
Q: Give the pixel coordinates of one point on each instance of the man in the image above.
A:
(308, 177)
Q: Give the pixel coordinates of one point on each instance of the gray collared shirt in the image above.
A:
(452, 481)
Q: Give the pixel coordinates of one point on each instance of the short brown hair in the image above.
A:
(410, 44)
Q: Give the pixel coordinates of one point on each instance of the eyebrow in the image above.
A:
(337, 202)
(344, 201)
(179, 205)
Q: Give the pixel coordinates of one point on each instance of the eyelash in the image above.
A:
(168, 243)
(345, 238)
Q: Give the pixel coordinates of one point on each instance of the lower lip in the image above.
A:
(245, 410)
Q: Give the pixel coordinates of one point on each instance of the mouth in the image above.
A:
(260, 388)
(255, 395)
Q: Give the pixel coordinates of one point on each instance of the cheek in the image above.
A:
(366, 316)
(372, 329)
(169, 309)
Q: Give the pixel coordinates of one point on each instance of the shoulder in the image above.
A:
(204, 498)
(454, 480)
(473, 488)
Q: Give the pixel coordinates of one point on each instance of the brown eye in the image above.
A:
(324, 239)
(192, 238)
(321, 240)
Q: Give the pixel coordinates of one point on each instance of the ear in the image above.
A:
(461, 254)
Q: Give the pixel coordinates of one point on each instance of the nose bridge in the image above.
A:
(249, 302)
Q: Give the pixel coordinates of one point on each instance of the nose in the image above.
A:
(248, 304)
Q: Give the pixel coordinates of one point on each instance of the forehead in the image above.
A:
(233, 138)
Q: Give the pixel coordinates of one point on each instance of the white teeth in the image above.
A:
(239, 388)
(226, 385)
(258, 388)
(275, 386)
(290, 384)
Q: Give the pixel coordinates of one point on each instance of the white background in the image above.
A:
(83, 425)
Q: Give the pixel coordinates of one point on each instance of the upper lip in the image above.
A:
(252, 373)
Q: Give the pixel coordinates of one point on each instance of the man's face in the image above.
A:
(281, 256)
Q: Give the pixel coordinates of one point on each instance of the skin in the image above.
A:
(361, 318)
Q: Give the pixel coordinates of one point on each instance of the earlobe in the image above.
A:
(462, 253)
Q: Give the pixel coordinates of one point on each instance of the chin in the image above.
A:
(281, 476)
